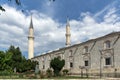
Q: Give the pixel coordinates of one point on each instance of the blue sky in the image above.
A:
(62, 8)
(89, 19)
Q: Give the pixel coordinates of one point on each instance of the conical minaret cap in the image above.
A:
(31, 23)
(68, 24)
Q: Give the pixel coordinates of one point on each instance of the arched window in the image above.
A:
(49, 57)
(86, 49)
(107, 44)
(70, 53)
(43, 58)
(59, 57)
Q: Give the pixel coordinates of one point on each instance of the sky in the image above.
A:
(89, 19)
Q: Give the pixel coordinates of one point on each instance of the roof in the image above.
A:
(108, 35)
(91, 40)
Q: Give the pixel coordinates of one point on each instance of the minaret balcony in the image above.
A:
(68, 43)
(31, 37)
(68, 34)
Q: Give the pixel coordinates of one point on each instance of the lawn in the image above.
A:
(35, 77)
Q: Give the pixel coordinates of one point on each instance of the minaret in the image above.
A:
(31, 41)
(68, 33)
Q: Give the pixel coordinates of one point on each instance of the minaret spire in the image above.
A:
(67, 21)
(31, 23)
(31, 40)
(68, 33)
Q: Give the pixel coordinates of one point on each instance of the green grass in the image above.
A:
(22, 77)
(67, 77)
(9, 77)
(28, 76)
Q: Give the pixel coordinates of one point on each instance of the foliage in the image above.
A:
(16, 1)
(57, 64)
(1, 8)
(4, 59)
(13, 59)
(51, 0)
(16, 59)
(65, 71)
(42, 74)
(6, 72)
(49, 73)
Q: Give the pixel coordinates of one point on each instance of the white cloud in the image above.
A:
(14, 29)
(50, 34)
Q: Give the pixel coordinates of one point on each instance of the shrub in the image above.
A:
(6, 72)
(49, 72)
(65, 72)
(57, 64)
(42, 75)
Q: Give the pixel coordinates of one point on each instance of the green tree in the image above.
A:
(16, 59)
(13, 58)
(57, 64)
(2, 55)
(4, 59)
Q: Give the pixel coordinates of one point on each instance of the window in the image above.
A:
(86, 63)
(108, 61)
(43, 66)
(59, 57)
(49, 57)
(86, 49)
(70, 54)
(43, 58)
(71, 64)
(107, 45)
(62, 56)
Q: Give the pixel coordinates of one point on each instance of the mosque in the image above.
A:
(100, 56)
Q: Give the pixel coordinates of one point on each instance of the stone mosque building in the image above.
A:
(96, 56)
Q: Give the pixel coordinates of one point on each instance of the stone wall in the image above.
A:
(96, 56)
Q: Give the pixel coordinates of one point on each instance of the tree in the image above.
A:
(19, 62)
(13, 59)
(2, 55)
(57, 64)
(4, 59)
(16, 59)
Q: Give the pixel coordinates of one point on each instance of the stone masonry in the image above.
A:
(94, 57)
